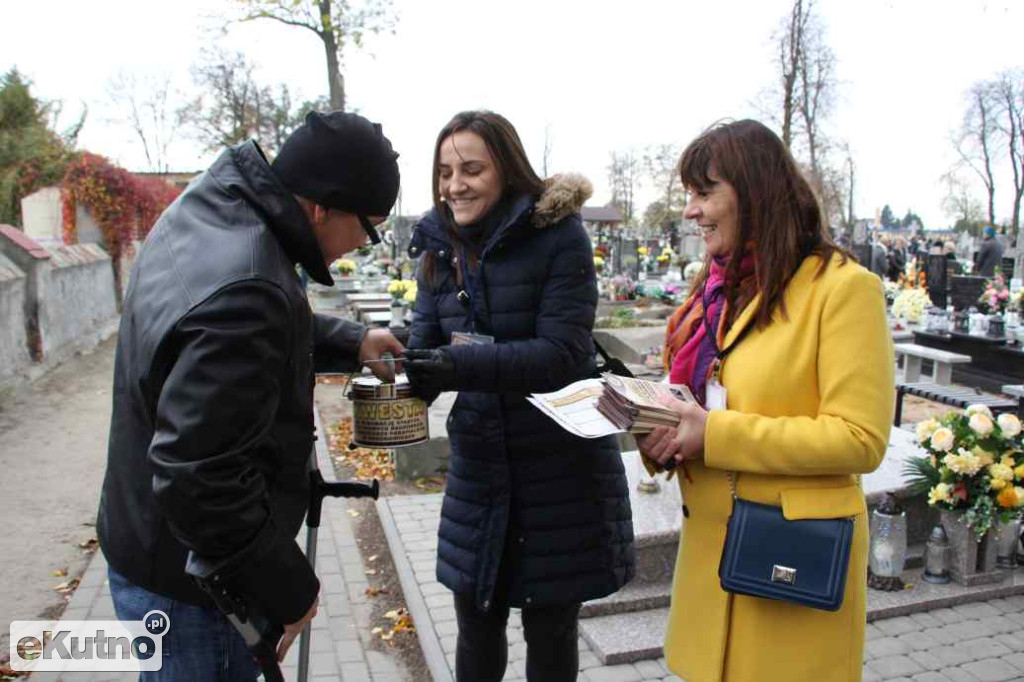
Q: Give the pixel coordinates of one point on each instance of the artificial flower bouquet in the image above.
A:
(402, 290)
(910, 304)
(345, 266)
(974, 465)
(996, 296)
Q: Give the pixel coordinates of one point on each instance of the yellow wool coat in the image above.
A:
(810, 401)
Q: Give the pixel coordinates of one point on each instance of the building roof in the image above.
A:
(601, 214)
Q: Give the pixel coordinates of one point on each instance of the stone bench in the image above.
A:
(1016, 390)
(943, 361)
(955, 396)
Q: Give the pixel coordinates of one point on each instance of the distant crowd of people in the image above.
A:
(890, 255)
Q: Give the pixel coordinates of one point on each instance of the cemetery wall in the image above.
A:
(13, 341)
(63, 301)
(78, 298)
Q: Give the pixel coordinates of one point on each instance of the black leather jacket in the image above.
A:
(213, 392)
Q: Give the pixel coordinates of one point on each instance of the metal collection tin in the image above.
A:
(386, 415)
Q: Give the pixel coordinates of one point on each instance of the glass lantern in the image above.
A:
(996, 327)
(888, 551)
(1008, 535)
(936, 557)
(961, 322)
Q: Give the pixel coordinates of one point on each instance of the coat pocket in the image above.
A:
(822, 503)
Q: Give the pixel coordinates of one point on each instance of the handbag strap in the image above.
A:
(731, 475)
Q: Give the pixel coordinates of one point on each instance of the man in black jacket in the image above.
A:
(212, 422)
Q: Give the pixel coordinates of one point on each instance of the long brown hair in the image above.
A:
(505, 147)
(780, 218)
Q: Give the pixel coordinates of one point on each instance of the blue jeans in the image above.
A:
(201, 645)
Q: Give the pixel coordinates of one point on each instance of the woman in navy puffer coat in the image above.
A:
(533, 517)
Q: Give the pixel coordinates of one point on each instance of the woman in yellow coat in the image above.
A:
(791, 333)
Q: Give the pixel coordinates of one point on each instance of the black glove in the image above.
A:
(430, 371)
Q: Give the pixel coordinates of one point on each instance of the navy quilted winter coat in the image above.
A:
(554, 505)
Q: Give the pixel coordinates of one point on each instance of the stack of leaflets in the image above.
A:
(593, 408)
(634, 405)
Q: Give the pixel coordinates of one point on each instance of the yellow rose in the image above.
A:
(1008, 461)
(942, 439)
(981, 424)
(926, 428)
(940, 493)
(997, 484)
(985, 456)
(1009, 424)
(1001, 471)
(1019, 472)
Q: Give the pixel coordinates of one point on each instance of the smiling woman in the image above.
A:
(533, 517)
(784, 341)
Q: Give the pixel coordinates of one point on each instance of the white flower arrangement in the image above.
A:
(910, 304)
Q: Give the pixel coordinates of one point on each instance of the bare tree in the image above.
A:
(661, 163)
(623, 177)
(548, 145)
(960, 204)
(335, 22)
(851, 170)
(816, 72)
(1009, 89)
(230, 108)
(977, 139)
(789, 41)
(146, 106)
(233, 106)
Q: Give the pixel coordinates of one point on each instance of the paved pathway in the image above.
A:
(341, 632)
(983, 641)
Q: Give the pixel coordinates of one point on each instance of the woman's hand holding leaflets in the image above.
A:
(684, 442)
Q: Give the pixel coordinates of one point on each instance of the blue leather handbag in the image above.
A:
(803, 561)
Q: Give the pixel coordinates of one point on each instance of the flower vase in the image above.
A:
(397, 315)
(971, 561)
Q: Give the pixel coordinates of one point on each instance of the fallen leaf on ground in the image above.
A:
(431, 484)
(373, 558)
(353, 513)
(89, 546)
(59, 573)
(368, 462)
(372, 591)
(371, 571)
(67, 588)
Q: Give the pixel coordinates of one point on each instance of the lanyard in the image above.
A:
(721, 353)
(469, 289)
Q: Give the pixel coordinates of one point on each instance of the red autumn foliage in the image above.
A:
(124, 205)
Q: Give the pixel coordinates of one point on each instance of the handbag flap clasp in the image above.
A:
(783, 574)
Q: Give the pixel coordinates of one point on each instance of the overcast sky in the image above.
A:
(600, 76)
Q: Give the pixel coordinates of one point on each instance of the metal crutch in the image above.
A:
(318, 490)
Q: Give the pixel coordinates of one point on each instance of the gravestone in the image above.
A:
(965, 291)
(1007, 268)
(629, 264)
(936, 278)
(862, 252)
(41, 216)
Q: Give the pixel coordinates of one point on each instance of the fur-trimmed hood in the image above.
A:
(564, 194)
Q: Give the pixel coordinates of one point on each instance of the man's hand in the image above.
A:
(686, 441)
(293, 630)
(376, 343)
(430, 371)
